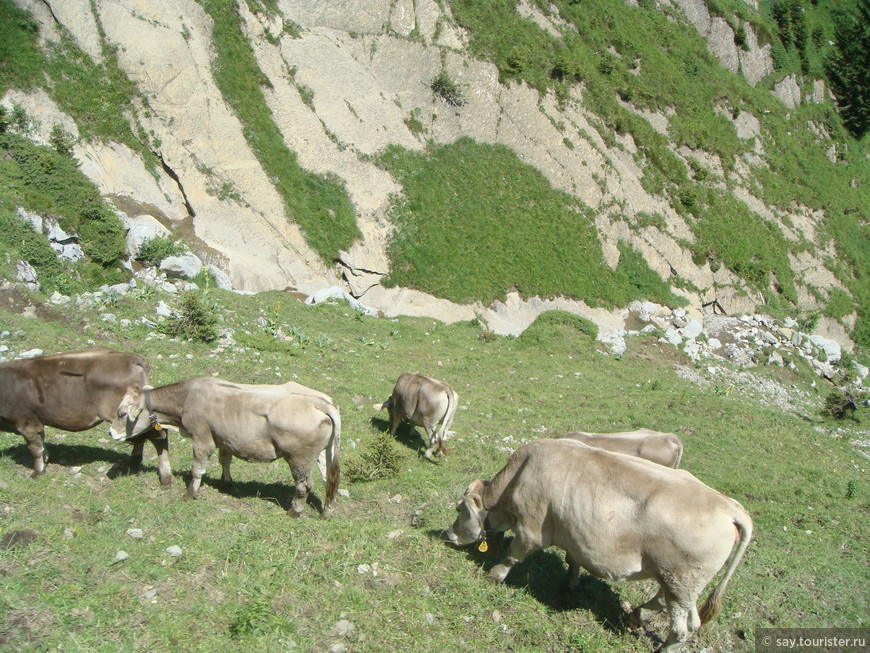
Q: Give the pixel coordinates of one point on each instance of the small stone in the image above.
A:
(343, 628)
(135, 533)
(149, 593)
(69, 532)
(121, 555)
(344, 493)
(430, 618)
(496, 616)
(174, 551)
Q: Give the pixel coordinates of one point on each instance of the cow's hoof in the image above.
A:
(37, 474)
(166, 482)
(293, 514)
(634, 619)
(327, 512)
(497, 574)
(189, 496)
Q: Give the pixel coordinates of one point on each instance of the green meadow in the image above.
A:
(249, 576)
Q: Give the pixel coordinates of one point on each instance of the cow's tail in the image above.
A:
(743, 523)
(328, 462)
(678, 445)
(447, 422)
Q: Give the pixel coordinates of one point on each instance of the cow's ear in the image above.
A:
(477, 500)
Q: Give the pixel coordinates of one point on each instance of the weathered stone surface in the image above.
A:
(788, 92)
(143, 229)
(185, 266)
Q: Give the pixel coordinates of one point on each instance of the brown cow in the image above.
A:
(426, 402)
(258, 423)
(619, 517)
(73, 391)
(662, 448)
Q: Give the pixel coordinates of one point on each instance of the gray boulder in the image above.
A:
(185, 266)
(142, 229)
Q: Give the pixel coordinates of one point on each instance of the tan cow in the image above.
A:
(73, 391)
(423, 401)
(662, 448)
(619, 517)
(257, 423)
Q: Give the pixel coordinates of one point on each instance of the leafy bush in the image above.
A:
(379, 460)
(448, 90)
(157, 249)
(842, 403)
(196, 321)
(61, 140)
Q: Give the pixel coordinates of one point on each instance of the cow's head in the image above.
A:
(131, 418)
(470, 517)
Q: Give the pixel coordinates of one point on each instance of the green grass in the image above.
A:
(50, 184)
(251, 577)
(475, 221)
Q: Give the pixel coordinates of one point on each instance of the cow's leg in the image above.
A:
(573, 572)
(395, 420)
(645, 612)
(226, 459)
(303, 487)
(679, 612)
(136, 455)
(34, 435)
(522, 545)
(164, 469)
(431, 449)
(201, 452)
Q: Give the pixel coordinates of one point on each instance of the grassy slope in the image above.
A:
(249, 576)
(641, 55)
(476, 221)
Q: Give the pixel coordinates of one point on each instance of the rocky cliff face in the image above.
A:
(343, 87)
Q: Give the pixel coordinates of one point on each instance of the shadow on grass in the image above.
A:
(406, 435)
(72, 455)
(281, 494)
(544, 576)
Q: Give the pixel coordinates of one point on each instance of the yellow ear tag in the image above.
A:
(483, 547)
(158, 426)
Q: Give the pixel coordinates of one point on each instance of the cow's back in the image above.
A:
(656, 446)
(418, 397)
(617, 515)
(72, 391)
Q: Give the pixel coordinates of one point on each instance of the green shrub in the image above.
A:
(448, 90)
(61, 140)
(196, 321)
(157, 249)
(379, 460)
(841, 404)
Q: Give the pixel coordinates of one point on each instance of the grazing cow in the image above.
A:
(619, 517)
(426, 402)
(257, 423)
(662, 448)
(73, 391)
